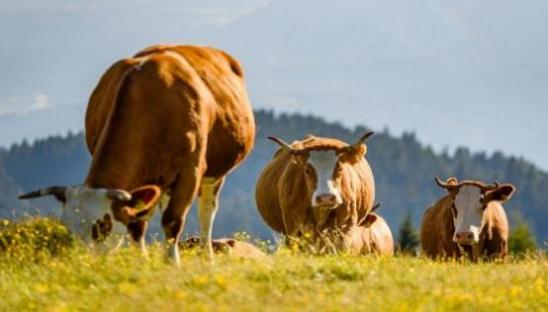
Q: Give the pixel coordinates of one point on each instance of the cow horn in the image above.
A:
(451, 186)
(116, 194)
(376, 206)
(284, 144)
(57, 191)
(364, 138)
(486, 188)
(445, 185)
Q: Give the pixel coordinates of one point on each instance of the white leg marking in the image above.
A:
(173, 254)
(143, 247)
(207, 208)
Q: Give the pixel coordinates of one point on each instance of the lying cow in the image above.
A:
(315, 185)
(372, 235)
(233, 248)
(469, 220)
(171, 119)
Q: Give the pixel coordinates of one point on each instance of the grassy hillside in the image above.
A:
(45, 270)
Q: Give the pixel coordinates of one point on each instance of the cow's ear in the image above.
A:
(354, 154)
(141, 205)
(223, 245)
(502, 194)
(369, 220)
(145, 199)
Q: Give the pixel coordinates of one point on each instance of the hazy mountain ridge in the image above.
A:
(403, 169)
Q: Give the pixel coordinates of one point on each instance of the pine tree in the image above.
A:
(408, 238)
(521, 239)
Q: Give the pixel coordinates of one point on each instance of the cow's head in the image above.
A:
(469, 200)
(323, 168)
(90, 212)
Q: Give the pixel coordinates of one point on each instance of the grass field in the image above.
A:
(42, 268)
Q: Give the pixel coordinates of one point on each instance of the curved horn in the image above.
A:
(57, 191)
(445, 185)
(364, 138)
(118, 194)
(486, 188)
(284, 144)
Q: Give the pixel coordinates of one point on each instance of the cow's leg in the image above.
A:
(173, 219)
(137, 230)
(207, 208)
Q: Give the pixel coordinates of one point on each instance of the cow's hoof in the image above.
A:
(173, 256)
(145, 254)
(207, 252)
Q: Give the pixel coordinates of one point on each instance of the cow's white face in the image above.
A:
(468, 214)
(84, 206)
(470, 199)
(321, 173)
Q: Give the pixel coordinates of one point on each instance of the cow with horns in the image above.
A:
(171, 120)
(468, 221)
(317, 185)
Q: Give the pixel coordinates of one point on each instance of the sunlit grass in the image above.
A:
(69, 277)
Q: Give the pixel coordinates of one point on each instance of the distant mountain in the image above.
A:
(403, 169)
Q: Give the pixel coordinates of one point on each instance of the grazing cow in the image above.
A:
(171, 119)
(316, 184)
(469, 220)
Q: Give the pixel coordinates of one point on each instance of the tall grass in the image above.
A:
(48, 271)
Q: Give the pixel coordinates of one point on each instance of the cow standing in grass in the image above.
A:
(171, 119)
(317, 186)
(468, 221)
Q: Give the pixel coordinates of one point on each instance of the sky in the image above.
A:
(457, 73)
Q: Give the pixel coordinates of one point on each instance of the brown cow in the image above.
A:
(469, 220)
(231, 247)
(316, 184)
(372, 235)
(171, 119)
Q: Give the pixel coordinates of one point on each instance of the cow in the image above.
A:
(314, 185)
(229, 246)
(469, 221)
(372, 235)
(171, 120)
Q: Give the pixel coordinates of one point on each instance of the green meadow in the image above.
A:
(43, 269)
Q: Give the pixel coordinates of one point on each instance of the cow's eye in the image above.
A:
(308, 170)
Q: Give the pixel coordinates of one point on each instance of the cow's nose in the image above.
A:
(326, 199)
(465, 237)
